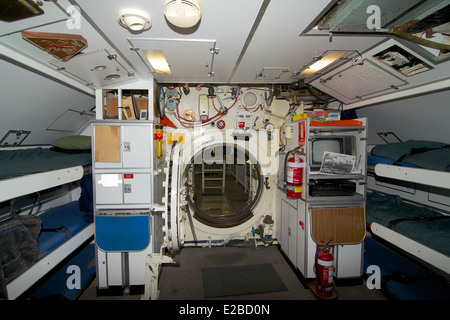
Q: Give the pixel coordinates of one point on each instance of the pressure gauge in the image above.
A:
(189, 115)
(269, 129)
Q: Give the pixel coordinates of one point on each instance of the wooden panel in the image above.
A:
(60, 45)
(342, 225)
(111, 110)
(129, 113)
(107, 144)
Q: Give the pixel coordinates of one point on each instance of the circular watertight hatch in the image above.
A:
(224, 184)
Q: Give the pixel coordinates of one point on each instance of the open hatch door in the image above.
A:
(174, 200)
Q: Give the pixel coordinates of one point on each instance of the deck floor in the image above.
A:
(183, 281)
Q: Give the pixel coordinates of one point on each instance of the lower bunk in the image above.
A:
(33, 246)
(411, 246)
(69, 279)
(401, 278)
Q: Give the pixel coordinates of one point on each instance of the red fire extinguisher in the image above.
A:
(324, 272)
(294, 176)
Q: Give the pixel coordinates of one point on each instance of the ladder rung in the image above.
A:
(214, 179)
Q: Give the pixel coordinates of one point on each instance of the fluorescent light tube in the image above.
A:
(326, 60)
(158, 61)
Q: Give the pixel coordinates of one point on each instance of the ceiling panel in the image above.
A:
(360, 80)
(187, 58)
(227, 22)
(277, 42)
(100, 68)
(52, 13)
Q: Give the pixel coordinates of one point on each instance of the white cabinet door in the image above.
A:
(136, 146)
(123, 146)
(289, 231)
(292, 250)
(125, 188)
(349, 261)
(284, 240)
(136, 188)
(109, 188)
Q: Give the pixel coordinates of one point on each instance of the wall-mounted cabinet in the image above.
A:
(133, 104)
(122, 146)
(128, 102)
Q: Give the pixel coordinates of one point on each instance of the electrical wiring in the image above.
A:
(269, 98)
(259, 105)
(193, 123)
(162, 97)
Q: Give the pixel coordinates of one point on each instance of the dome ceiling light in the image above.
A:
(183, 13)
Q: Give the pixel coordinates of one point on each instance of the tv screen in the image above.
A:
(322, 145)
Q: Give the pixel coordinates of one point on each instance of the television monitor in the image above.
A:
(337, 144)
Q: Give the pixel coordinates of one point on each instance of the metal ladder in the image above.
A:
(218, 170)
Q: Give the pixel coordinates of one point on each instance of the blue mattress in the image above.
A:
(401, 279)
(68, 216)
(56, 286)
(374, 160)
(28, 161)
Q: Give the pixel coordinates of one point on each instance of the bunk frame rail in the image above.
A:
(434, 178)
(23, 185)
(432, 257)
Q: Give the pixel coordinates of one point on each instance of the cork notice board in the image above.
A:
(342, 225)
(107, 143)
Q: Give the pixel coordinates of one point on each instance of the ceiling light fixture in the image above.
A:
(321, 62)
(113, 76)
(134, 20)
(183, 13)
(158, 61)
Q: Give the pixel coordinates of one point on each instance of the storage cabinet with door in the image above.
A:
(325, 215)
(123, 184)
(123, 163)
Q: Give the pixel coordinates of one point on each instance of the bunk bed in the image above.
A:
(33, 244)
(417, 231)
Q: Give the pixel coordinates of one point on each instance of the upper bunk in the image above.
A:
(418, 161)
(24, 171)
